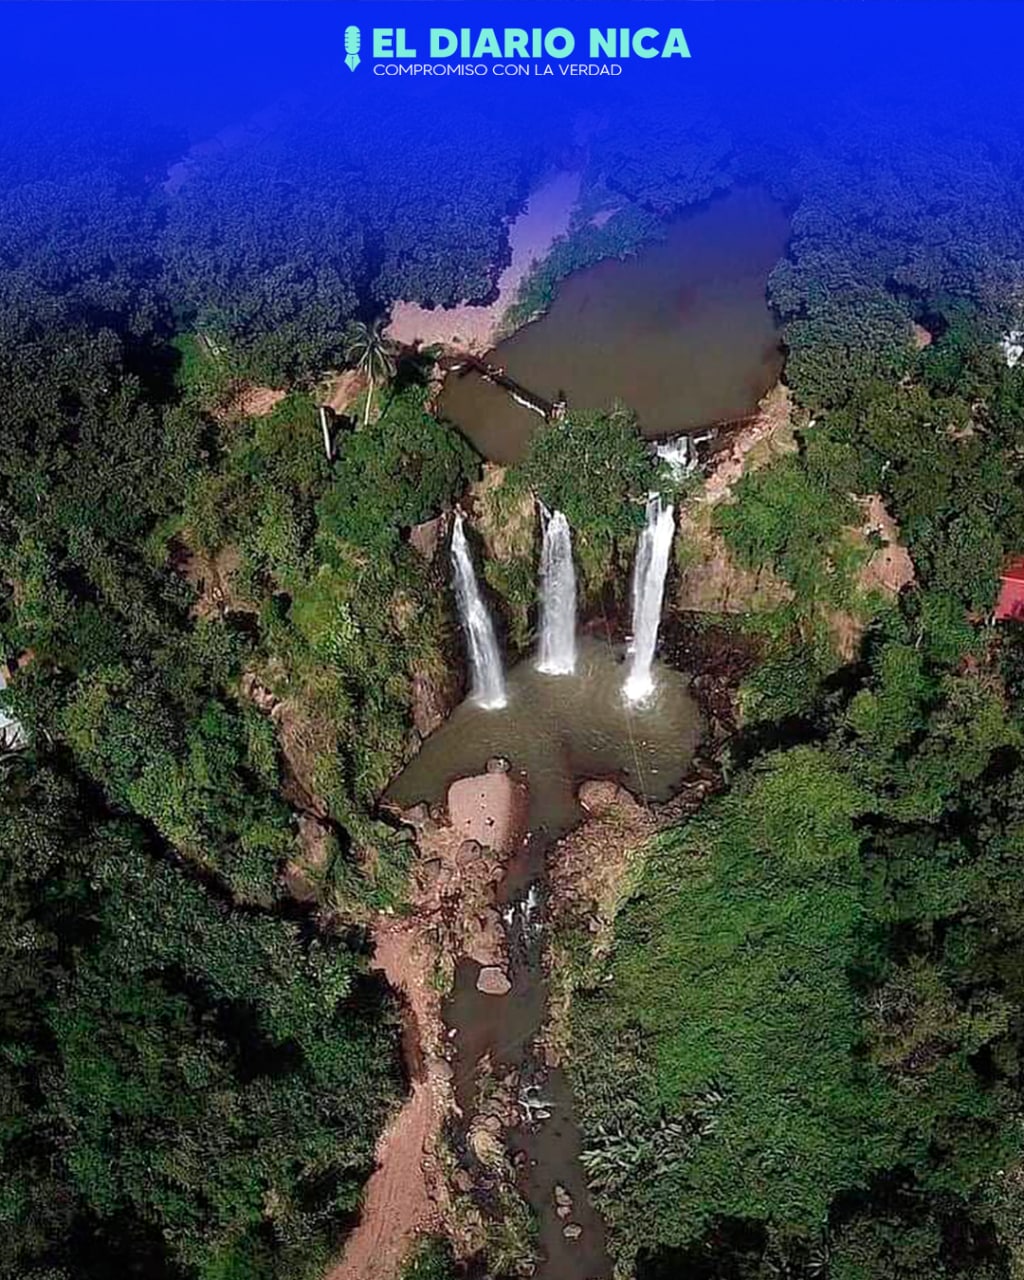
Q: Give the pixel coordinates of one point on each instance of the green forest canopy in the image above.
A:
(195, 1067)
(803, 1056)
(809, 1055)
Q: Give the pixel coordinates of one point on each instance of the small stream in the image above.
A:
(556, 731)
(506, 1030)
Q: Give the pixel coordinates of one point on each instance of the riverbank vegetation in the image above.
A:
(214, 631)
(803, 1054)
(275, 245)
(432, 1259)
(625, 199)
(598, 471)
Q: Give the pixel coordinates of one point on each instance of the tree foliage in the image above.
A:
(894, 214)
(804, 1053)
(798, 984)
(176, 1073)
(277, 245)
(598, 471)
(194, 1066)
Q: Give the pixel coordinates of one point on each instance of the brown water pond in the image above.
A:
(681, 333)
(560, 730)
(556, 731)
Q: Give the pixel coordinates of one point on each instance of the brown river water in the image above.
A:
(556, 732)
(560, 730)
(681, 333)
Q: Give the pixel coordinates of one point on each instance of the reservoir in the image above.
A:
(681, 333)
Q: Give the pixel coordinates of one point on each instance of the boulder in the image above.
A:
(442, 1069)
(600, 795)
(492, 980)
(416, 817)
(425, 537)
(468, 851)
(428, 871)
(303, 874)
(485, 939)
(432, 701)
(490, 809)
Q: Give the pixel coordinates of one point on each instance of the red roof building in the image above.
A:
(1011, 593)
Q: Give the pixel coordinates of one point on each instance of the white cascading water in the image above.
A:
(648, 589)
(484, 657)
(679, 455)
(12, 733)
(557, 650)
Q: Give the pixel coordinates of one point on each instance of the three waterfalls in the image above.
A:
(556, 650)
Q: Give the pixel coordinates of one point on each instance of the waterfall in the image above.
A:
(484, 658)
(557, 653)
(12, 733)
(680, 455)
(648, 588)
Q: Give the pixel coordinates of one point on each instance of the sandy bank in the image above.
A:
(531, 235)
(453, 915)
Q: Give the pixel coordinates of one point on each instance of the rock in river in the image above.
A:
(492, 980)
(490, 808)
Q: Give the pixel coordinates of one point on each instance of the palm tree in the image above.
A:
(372, 352)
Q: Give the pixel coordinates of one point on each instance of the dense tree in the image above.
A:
(597, 469)
(894, 214)
(195, 1067)
(329, 217)
(803, 1055)
(760, 1050)
(177, 1072)
(687, 156)
(368, 350)
(392, 474)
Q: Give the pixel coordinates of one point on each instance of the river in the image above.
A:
(556, 731)
(681, 332)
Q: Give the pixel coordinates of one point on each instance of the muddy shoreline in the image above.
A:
(507, 1136)
(679, 330)
(487, 1064)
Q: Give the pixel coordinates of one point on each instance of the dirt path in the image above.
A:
(531, 235)
(402, 1196)
(255, 402)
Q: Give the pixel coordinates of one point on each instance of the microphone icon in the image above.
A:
(352, 43)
